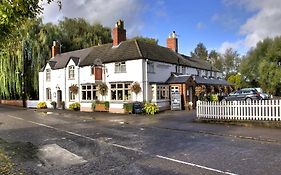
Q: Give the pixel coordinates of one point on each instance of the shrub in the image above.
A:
(214, 98)
(150, 108)
(63, 105)
(42, 105)
(94, 104)
(128, 107)
(54, 104)
(75, 106)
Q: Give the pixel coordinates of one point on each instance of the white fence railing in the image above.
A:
(240, 110)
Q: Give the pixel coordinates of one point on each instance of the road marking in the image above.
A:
(195, 165)
(127, 148)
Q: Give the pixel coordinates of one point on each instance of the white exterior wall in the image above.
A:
(191, 71)
(68, 82)
(134, 73)
(162, 71)
(57, 77)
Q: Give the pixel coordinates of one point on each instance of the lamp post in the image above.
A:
(23, 84)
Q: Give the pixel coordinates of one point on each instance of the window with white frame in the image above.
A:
(120, 67)
(71, 96)
(89, 92)
(48, 94)
(48, 74)
(71, 72)
(178, 69)
(150, 67)
(162, 92)
(120, 91)
(183, 70)
(215, 75)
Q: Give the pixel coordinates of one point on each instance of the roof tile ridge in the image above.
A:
(138, 48)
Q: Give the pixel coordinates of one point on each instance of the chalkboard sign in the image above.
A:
(175, 101)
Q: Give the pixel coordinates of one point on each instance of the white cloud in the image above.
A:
(107, 12)
(266, 21)
(234, 45)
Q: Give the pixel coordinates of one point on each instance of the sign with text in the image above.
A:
(175, 101)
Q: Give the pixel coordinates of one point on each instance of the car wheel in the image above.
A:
(248, 100)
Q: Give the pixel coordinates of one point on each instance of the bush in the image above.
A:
(150, 108)
(94, 105)
(42, 105)
(75, 106)
(214, 98)
(128, 107)
(54, 104)
(63, 105)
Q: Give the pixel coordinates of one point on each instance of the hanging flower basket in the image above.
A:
(74, 89)
(135, 87)
(102, 88)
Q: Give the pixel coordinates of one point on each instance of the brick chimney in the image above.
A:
(55, 49)
(172, 42)
(118, 33)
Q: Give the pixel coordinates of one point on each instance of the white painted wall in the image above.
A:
(162, 71)
(134, 72)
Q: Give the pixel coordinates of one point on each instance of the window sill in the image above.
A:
(119, 72)
(71, 78)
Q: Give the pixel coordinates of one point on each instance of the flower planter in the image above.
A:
(101, 107)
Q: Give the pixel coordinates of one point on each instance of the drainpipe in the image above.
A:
(79, 84)
(64, 86)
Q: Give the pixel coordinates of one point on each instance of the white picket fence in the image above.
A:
(240, 110)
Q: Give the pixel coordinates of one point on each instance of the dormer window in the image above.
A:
(199, 72)
(183, 70)
(120, 67)
(48, 74)
(71, 72)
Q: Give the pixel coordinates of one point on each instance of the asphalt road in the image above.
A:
(101, 143)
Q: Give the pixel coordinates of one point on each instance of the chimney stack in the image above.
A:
(55, 49)
(172, 42)
(119, 33)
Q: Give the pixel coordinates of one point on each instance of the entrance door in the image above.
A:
(59, 98)
(190, 94)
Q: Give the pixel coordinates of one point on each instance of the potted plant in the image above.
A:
(75, 106)
(101, 106)
(54, 104)
(128, 108)
(63, 105)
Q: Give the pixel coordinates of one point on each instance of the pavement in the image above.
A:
(71, 142)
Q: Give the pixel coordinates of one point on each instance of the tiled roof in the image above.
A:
(127, 50)
(174, 79)
(179, 79)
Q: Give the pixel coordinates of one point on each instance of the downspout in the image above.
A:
(64, 86)
(146, 81)
(79, 87)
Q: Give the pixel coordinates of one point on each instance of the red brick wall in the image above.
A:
(119, 35)
(12, 102)
(172, 43)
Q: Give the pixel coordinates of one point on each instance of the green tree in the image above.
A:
(31, 45)
(14, 13)
(146, 39)
(231, 61)
(235, 80)
(216, 60)
(200, 52)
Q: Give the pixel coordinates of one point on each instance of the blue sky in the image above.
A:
(219, 24)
